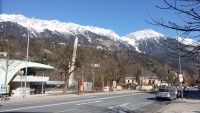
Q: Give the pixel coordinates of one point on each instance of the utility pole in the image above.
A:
(93, 68)
(82, 78)
(180, 71)
(142, 79)
(43, 84)
(27, 52)
(102, 80)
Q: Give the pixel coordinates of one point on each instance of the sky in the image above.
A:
(121, 16)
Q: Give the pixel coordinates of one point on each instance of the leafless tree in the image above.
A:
(189, 12)
(64, 59)
(6, 63)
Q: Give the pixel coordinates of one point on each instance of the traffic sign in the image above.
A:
(114, 83)
(180, 77)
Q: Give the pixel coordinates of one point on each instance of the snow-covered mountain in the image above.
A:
(150, 42)
(39, 25)
(188, 41)
(145, 34)
(17, 25)
(145, 41)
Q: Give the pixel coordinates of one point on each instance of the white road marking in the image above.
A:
(66, 110)
(87, 103)
(122, 105)
(57, 104)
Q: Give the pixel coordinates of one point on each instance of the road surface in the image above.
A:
(128, 102)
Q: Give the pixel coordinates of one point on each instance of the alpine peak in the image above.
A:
(144, 34)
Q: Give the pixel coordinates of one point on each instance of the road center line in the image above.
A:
(57, 104)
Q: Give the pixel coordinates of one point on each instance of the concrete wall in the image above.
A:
(148, 88)
(18, 91)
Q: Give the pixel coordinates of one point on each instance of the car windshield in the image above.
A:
(163, 90)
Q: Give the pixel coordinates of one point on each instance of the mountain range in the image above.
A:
(145, 41)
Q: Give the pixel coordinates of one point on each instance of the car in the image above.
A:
(38, 91)
(196, 86)
(167, 93)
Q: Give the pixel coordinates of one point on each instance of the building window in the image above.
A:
(149, 81)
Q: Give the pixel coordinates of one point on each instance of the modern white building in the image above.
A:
(12, 75)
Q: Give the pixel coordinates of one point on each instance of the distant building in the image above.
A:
(129, 80)
(148, 80)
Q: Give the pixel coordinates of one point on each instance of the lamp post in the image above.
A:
(27, 51)
(142, 79)
(180, 71)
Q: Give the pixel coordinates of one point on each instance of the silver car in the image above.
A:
(167, 93)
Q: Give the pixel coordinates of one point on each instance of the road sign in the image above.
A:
(4, 53)
(114, 83)
(180, 77)
(3, 89)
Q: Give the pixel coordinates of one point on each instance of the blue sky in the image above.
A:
(121, 16)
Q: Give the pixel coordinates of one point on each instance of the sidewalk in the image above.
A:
(189, 104)
(182, 106)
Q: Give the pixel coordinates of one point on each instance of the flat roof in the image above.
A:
(10, 67)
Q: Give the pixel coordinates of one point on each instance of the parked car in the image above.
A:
(196, 86)
(38, 91)
(167, 93)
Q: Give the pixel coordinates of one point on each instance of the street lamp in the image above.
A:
(27, 51)
(180, 71)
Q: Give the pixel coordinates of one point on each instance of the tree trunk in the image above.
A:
(65, 86)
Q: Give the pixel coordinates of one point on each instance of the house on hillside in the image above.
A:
(130, 79)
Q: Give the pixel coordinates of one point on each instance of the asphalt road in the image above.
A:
(104, 103)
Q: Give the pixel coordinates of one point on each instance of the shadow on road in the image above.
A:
(25, 112)
(152, 98)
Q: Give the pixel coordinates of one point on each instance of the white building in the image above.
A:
(11, 75)
(129, 80)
